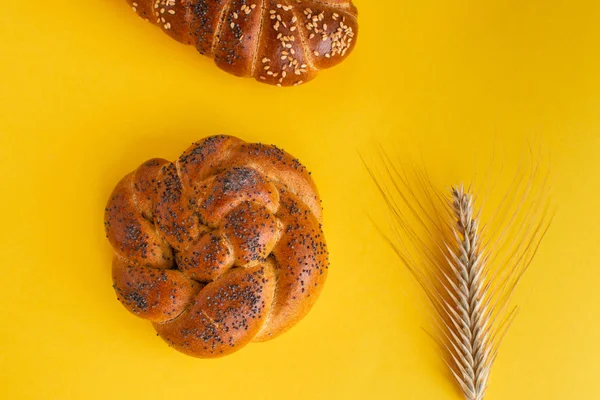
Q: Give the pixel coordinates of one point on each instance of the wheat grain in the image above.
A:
(472, 370)
(467, 269)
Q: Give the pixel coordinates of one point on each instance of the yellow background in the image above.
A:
(88, 91)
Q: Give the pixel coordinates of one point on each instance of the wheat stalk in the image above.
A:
(467, 269)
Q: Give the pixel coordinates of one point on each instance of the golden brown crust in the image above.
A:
(282, 58)
(236, 47)
(130, 234)
(280, 167)
(174, 213)
(280, 42)
(232, 187)
(144, 186)
(302, 260)
(207, 259)
(220, 248)
(158, 295)
(330, 33)
(225, 315)
(252, 231)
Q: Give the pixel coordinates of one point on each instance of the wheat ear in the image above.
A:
(467, 269)
(473, 369)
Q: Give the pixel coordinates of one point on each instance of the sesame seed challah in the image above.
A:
(220, 248)
(280, 42)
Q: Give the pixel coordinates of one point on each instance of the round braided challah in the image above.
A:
(220, 248)
(280, 42)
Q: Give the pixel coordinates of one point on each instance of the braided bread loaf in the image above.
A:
(280, 42)
(220, 248)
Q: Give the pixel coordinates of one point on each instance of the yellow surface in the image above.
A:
(88, 91)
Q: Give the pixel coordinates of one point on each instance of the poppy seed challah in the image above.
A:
(220, 248)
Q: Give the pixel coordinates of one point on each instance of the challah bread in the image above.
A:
(220, 248)
(280, 42)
